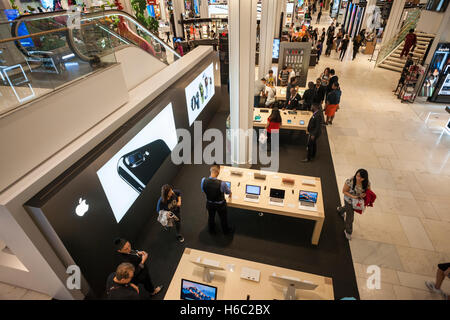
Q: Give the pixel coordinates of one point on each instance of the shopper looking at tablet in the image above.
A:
(170, 200)
(215, 190)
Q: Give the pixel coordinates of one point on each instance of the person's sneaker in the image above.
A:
(432, 287)
(157, 290)
(180, 238)
(348, 236)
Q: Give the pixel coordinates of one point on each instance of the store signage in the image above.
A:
(151, 2)
(81, 208)
(199, 92)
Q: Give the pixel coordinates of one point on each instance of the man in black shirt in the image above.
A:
(215, 190)
(291, 84)
(138, 260)
(319, 92)
(314, 131)
(120, 287)
(333, 79)
(294, 100)
(308, 96)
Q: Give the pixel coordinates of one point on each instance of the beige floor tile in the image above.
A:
(428, 210)
(420, 261)
(439, 234)
(385, 163)
(33, 295)
(8, 292)
(399, 206)
(384, 150)
(405, 293)
(379, 227)
(387, 275)
(375, 253)
(415, 232)
(417, 281)
(386, 291)
(442, 209)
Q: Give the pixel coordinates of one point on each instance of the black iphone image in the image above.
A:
(139, 166)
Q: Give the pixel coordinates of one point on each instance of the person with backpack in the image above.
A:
(170, 201)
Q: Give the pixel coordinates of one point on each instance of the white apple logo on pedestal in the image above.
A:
(81, 208)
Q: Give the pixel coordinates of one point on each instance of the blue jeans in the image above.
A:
(256, 101)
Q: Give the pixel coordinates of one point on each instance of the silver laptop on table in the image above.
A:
(307, 200)
(252, 193)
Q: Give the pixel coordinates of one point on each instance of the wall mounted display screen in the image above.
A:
(276, 49)
(127, 173)
(199, 92)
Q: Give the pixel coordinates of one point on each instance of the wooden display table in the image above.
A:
(298, 121)
(281, 93)
(274, 180)
(230, 285)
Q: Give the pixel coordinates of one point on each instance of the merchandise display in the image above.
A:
(243, 280)
(277, 194)
(290, 120)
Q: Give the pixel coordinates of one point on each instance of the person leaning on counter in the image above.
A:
(215, 190)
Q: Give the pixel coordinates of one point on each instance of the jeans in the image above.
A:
(342, 55)
(312, 147)
(256, 101)
(177, 223)
(350, 215)
(221, 209)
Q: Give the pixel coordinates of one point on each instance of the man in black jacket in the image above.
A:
(138, 260)
(294, 100)
(333, 79)
(319, 92)
(314, 130)
(120, 287)
(308, 97)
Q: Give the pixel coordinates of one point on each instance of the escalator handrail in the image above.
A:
(89, 15)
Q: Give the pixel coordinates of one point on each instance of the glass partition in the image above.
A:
(42, 52)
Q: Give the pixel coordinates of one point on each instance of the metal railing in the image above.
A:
(391, 45)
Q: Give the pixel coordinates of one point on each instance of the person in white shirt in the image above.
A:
(269, 93)
(291, 74)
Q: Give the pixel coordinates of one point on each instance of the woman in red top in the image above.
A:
(273, 125)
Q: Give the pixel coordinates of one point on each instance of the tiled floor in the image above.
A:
(8, 292)
(406, 153)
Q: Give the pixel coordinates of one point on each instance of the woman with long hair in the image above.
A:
(273, 125)
(170, 200)
(325, 76)
(354, 188)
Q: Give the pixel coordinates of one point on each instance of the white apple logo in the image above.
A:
(81, 208)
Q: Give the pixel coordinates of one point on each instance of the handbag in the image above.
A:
(166, 218)
(358, 205)
(263, 137)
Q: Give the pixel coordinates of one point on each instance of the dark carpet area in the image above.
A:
(270, 239)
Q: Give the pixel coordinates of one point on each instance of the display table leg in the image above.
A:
(316, 232)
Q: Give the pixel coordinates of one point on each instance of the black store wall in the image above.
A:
(88, 240)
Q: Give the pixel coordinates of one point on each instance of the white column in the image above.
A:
(267, 25)
(204, 8)
(279, 5)
(178, 9)
(371, 6)
(162, 9)
(242, 47)
(393, 21)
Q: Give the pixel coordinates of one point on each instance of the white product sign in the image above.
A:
(199, 92)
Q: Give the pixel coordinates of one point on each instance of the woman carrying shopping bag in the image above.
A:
(170, 201)
(354, 191)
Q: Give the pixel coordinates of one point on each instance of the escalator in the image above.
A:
(42, 52)
(88, 36)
